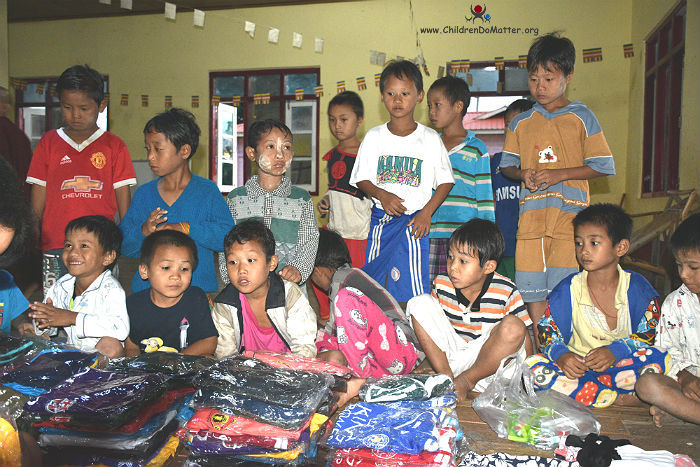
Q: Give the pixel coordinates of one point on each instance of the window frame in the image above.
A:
(501, 79)
(664, 51)
(245, 106)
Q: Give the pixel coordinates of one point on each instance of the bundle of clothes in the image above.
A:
(407, 420)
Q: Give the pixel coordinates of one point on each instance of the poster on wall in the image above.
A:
(226, 148)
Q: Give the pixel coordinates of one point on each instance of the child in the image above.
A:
(171, 314)
(362, 312)
(259, 310)
(506, 194)
(88, 302)
(599, 325)
(678, 393)
(177, 200)
(475, 317)
(471, 196)
(347, 207)
(270, 197)
(399, 164)
(558, 145)
(15, 233)
(79, 169)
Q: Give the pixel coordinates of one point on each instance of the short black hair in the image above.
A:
(15, 214)
(178, 125)
(519, 106)
(82, 78)
(686, 238)
(166, 237)
(401, 69)
(108, 234)
(260, 128)
(455, 89)
(332, 251)
(251, 230)
(552, 49)
(351, 99)
(612, 217)
(482, 237)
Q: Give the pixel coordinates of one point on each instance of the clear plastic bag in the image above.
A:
(515, 412)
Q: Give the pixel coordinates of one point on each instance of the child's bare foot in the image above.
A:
(661, 417)
(628, 400)
(352, 390)
(463, 386)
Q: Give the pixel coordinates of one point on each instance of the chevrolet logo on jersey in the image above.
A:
(81, 184)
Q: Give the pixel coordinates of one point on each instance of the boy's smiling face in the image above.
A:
(688, 263)
(400, 96)
(274, 152)
(248, 267)
(84, 256)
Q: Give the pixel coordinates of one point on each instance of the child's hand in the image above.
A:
(528, 178)
(421, 225)
(543, 179)
(599, 359)
(291, 274)
(155, 219)
(690, 385)
(572, 365)
(391, 203)
(323, 206)
(47, 315)
(25, 329)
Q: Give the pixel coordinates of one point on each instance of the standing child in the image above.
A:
(554, 148)
(88, 302)
(678, 392)
(597, 331)
(506, 194)
(170, 315)
(259, 310)
(475, 317)
(177, 199)
(471, 196)
(79, 169)
(270, 197)
(399, 164)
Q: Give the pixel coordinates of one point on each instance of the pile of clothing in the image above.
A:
(249, 411)
(407, 420)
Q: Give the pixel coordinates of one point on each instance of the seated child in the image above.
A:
(367, 329)
(600, 323)
(15, 231)
(475, 317)
(678, 392)
(471, 196)
(172, 315)
(259, 310)
(88, 302)
(270, 197)
(177, 200)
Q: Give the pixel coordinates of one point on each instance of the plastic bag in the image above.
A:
(515, 412)
(12, 402)
(298, 362)
(406, 387)
(182, 368)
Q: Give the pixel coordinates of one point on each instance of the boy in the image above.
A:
(554, 148)
(79, 169)
(597, 331)
(388, 345)
(471, 196)
(88, 302)
(171, 315)
(506, 194)
(177, 200)
(475, 317)
(347, 207)
(678, 392)
(399, 164)
(259, 310)
(270, 197)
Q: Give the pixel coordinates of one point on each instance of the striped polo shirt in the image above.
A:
(498, 298)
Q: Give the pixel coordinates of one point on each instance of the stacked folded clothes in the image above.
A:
(407, 420)
(248, 411)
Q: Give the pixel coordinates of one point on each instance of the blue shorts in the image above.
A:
(396, 259)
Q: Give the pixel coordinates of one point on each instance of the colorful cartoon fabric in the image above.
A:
(598, 389)
(406, 387)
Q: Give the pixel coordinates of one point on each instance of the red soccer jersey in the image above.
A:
(80, 179)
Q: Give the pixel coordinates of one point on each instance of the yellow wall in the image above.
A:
(150, 55)
(4, 75)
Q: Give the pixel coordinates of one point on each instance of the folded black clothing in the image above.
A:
(176, 365)
(12, 347)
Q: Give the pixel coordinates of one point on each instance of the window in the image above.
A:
(662, 103)
(486, 81)
(229, 167)
(38, 110)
